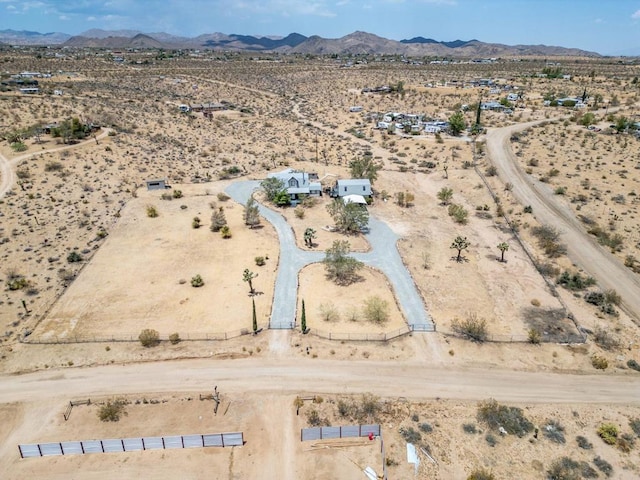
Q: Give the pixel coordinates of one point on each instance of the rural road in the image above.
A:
(296, 375)
(384, 256)
(8, 176)
(582, 248)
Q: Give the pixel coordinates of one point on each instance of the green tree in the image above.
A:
(457, 123)
(255, 318)
(272, 187)
(365, 167)
(621, 124)
(309, 235)
(350, 217)
(303, 319)
(251, 213)
(503, 247)
(340, 267)
(445, 195)
(587, 119)
(248, 277)
(460, 244)
(218, 220)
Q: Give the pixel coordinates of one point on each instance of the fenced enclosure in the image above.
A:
(349, 431)
(132, 337)
(373, 337)
(234, 439)
(74, 403)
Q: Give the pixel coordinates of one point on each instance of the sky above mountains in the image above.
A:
(609, 27)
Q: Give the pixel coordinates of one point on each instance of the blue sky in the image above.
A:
(604, 26)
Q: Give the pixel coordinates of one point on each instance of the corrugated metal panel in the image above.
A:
(212, 440)
(310, 434)
(351, 431)
(192, 441)
(28, 451)
(366, 429)
(233, 439)
(132, 444)
(173, 441)
(72, 448)
(330, 432)
(92, 446)
(153, 443)
(112, 445)
(50, 449)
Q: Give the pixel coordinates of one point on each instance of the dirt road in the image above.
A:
(294, 375)
(582, 249)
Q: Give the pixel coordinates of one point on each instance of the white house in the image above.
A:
(512, 97)
(298, 184)
(353, 186)
(355, 109)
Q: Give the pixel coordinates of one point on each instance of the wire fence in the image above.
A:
(131, 444)
(372, 337)
(560, 338)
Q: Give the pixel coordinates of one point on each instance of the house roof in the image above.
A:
(354, 181)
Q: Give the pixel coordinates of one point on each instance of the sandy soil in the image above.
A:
(283, 118)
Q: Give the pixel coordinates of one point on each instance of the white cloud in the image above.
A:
(636, 15)
(91, 19)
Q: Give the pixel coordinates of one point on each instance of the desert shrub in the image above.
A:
(328, 312)
(174, 338)
(626, 442)
(634, 365)
(566, 468)
(410, 435)
(223, 197)
(472, 327)
(491, 171)
(18, 146)
(601, 299)
(491, 440)
(299, 212)
(599, 363)
(604, 466)
(469, 428)
(149, 337)
(259, 261)
(575, 281)
(369, 408)
(604, 339)
(511, 419)
(554, 431)
(177, 194)
(458, 213)
(225, 231)
(481, 474)
(112, 411)
(17, 283)
(53, 166)
(584, 443)
(528, 209)
(534, 336)
(634, 423)
(166, 196)
(425, 427)
(315, 420)
(345, 408)
(152, 212)
(74, 257)
(376, 310)
(197, 281)
(608, 432)
(549, 240)
(195, 223)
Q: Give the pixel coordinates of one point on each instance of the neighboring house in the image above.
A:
(353, 186)
(299, 184)
(30, 90)
(355, 109)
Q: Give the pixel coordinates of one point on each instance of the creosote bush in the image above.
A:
(608, 432)
(112, 411)
(481, 474)
(149, 337)
(152, 212)
(197, 281)
(512, 419)
(472, 327)
(174, 338)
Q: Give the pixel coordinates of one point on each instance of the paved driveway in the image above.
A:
(384, 256)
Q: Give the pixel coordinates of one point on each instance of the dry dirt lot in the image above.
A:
(83, 199)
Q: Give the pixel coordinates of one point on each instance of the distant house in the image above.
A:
(30, 90)
(299, 184)
(355, 109)
(353, 186)
(156, 184)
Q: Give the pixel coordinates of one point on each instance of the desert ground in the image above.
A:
(95, 269)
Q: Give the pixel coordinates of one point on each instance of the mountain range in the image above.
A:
(354, 43)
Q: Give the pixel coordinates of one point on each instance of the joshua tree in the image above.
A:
(251, 214)
(218, 220)
(248, 277)
(309, 235)
(460, 244)
(503, 247)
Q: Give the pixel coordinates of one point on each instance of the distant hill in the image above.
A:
(354, 43)
(26, 37)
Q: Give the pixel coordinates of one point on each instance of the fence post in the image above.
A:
(61, 449)
(222, 439)
(122, 441)
(143, 445)
(39, 449)
(20, 450)
(102, 446)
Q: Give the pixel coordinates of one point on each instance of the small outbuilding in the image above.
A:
(156, 184)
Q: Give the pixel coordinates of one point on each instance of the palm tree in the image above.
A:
(503, 247)
(460, 244)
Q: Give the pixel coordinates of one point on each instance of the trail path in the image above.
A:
(582, 248)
